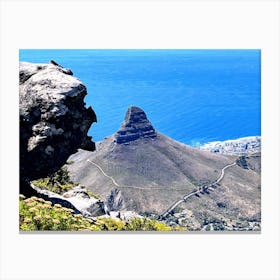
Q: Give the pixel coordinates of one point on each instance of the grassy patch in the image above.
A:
(90, 193)
(59, 183)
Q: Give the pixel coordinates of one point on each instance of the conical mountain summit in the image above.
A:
(150, 172)
(136, 125)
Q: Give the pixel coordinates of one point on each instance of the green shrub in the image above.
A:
(38, 214)
(146, 224)
(110, 224)
(59, 182)
(90, 193)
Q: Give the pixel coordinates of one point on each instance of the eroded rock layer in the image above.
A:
(135, 126)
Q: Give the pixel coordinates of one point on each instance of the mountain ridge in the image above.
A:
(154, 172)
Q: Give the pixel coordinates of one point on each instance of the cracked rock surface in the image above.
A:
(53, 119)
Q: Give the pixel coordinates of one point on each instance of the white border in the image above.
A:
(139, 24)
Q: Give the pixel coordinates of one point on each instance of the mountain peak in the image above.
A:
(136, 125)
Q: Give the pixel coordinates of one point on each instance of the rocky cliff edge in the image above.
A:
(53, 119)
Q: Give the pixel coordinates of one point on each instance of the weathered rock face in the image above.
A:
(53, 119)
(79, 197)
(115, 200)
(135, 126)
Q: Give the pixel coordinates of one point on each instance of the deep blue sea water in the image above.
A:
(193, 96)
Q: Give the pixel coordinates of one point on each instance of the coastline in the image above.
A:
(244, 145)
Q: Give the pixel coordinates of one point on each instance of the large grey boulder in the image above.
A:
(80, 198)
(76, 199)
(53, 119)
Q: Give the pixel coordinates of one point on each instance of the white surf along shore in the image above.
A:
(244, 145)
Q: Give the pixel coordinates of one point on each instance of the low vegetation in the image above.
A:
(59, 183)
(39, 214)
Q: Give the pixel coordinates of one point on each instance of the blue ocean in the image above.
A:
(192, 96)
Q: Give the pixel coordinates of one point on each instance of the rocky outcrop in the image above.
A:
(115, 200)
(53, 119)
(186, 219)
(77, 199)
(80, 198)
(81, 202)
(135, 126)
(241, 161)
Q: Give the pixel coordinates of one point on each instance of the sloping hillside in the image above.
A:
(152, 171)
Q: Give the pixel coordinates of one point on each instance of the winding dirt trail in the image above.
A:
(130, 187)
(173, 206)
(196, 192)
(102, 171)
